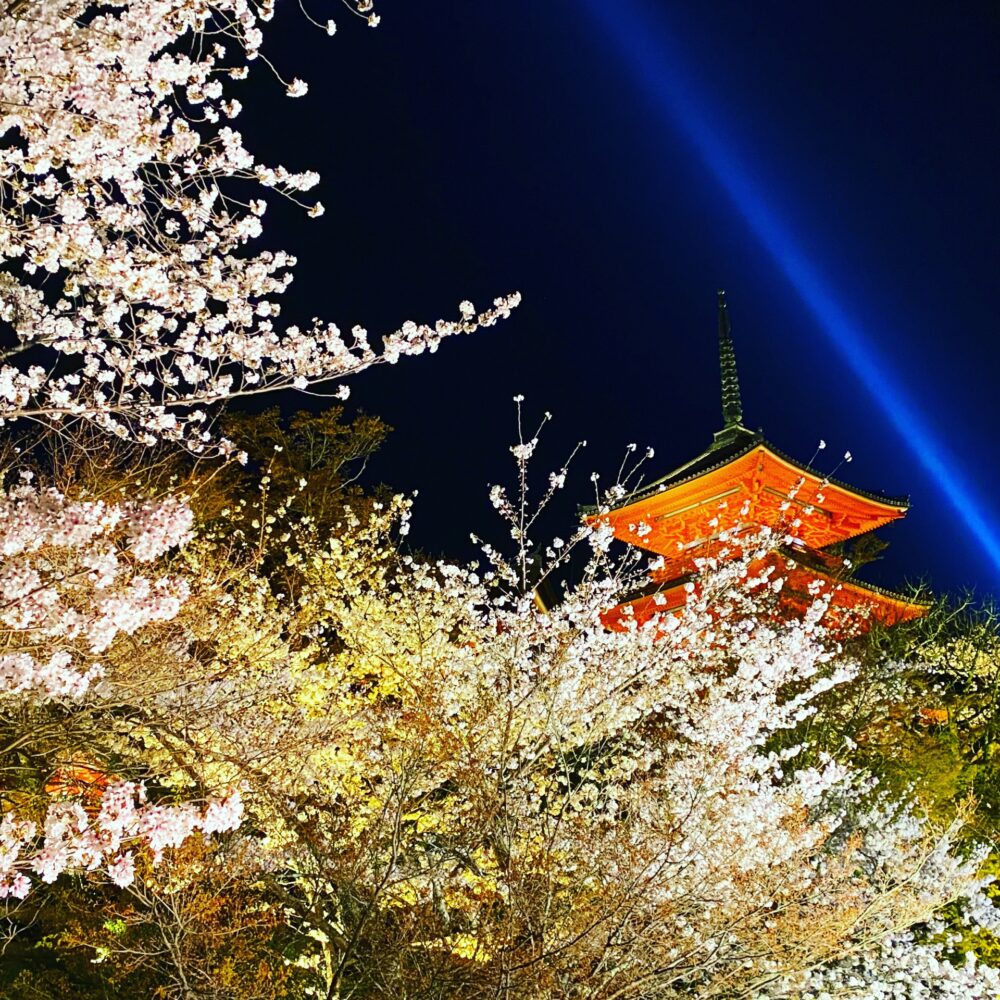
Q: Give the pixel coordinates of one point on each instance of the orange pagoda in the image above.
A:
(742, 482)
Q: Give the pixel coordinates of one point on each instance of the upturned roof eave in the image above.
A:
(675, 478)
(660, 485)
(654, 587)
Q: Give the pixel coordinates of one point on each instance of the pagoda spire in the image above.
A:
(732, 405)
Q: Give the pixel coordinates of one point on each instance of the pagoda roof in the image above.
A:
(741, 442)
(802, 559)
(742, 483)
(735, 441)
(885, 605)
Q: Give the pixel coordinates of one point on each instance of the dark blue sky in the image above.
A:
(619, 161)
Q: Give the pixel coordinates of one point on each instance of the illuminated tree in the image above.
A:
(451, 791)
(448, 791)
(525, 800)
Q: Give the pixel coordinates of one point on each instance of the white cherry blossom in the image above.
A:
(130, 296)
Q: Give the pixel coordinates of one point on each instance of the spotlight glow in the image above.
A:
(658, 67)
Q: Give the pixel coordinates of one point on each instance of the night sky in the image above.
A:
(834, 167)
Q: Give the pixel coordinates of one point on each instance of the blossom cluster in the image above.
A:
(904, 968)
(70, 839)
(128, 288)
(75, 573)
(70, 575)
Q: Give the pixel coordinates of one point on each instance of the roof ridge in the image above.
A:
(758, 440)
(902, 501)
(874, 588)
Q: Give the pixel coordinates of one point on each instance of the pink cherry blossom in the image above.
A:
(71, 841)
(68, 573)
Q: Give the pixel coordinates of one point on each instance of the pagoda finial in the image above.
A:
(732, 407)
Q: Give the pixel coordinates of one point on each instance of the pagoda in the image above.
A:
(741, 484)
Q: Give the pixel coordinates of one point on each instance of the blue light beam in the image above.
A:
(656, 66)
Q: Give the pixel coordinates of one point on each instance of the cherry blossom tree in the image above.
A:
(131, 302)
(129, 293)
(74, 578)
(452, 790)
(445, 788)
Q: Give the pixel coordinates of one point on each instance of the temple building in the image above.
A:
(742, 482)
